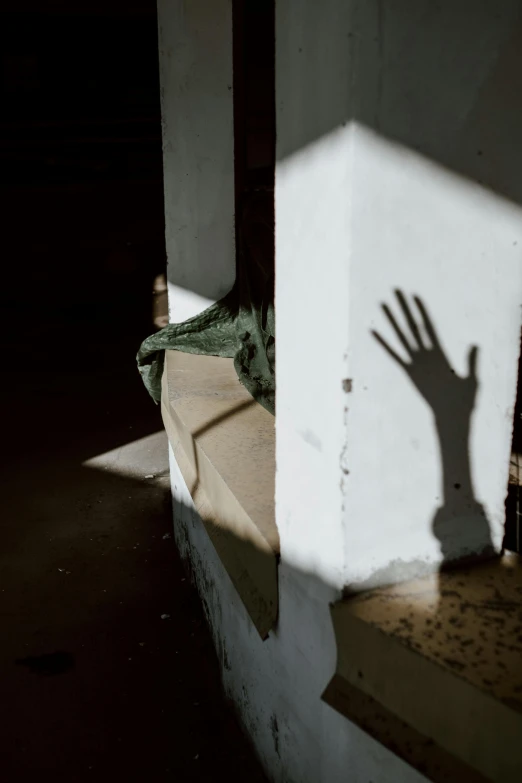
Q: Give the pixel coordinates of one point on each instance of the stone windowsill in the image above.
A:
(224, 444)
(433, 669)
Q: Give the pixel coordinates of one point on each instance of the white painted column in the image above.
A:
(195, 42)
(395, 171)
(313, 234)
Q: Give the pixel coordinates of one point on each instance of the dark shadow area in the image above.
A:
(460, 524)
(48, 665)
(90, 576)
(94, 684)
(254, 156)
(90, 573)
(513, 537)
(442, 79)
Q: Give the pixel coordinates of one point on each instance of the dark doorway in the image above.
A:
(254, 125)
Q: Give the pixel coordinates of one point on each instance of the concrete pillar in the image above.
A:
(195, 42)
(397, 170)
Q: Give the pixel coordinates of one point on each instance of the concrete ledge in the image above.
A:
(433, 669)
(224, 444)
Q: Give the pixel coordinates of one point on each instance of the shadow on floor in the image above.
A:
(94, 684)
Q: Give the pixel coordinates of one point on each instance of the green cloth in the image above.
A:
(242, 324)
(226, 329)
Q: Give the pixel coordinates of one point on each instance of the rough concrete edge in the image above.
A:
(410, 745)
(350, 671)
(260, 600)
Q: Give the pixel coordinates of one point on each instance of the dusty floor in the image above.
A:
(94, 684)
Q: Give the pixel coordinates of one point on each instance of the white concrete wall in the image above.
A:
(388, 114)
(276, 685)
(195, 44)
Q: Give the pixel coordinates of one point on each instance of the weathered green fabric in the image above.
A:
(228, 328)
(242, 324)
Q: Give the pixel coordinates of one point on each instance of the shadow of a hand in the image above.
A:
(460, 524)
(428, 368)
